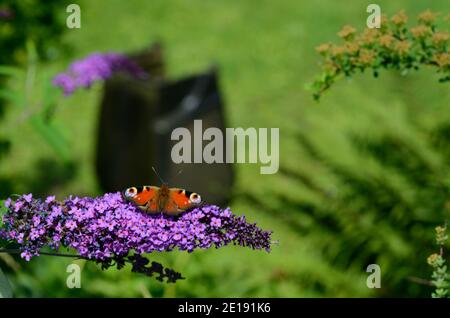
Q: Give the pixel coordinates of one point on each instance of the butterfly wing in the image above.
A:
(180, 200)
(171, 201)
(145, 197)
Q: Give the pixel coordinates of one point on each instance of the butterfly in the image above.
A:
(171, 201)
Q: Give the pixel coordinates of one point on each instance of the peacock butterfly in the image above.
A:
(171, 201)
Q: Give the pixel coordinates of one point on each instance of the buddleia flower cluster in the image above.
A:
(392, 46)
(96, 67)
(111, 231)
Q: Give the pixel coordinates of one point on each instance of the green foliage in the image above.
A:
(402, 184)
(5, 287)
(37, 20)
(29, 22)
(392, 46)
(440, 276)
(3, 209)
(31, 90)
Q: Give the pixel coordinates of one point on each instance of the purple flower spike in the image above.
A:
(109, 230)
(93, 68)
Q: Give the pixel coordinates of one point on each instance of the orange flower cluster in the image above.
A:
(392, 46)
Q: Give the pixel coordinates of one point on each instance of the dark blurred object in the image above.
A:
(136, 122)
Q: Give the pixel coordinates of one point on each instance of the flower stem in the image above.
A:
(18, 251)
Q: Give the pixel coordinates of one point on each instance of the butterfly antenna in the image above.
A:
(157, 174)
(178, 173)
(173, 179)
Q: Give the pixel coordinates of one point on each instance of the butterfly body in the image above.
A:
(152, 199)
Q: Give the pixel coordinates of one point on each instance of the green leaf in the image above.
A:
(49, 96)
(52, 136)
(12, 96)
(3, 209)
(5, 287)
(11, 71)
(31, 52)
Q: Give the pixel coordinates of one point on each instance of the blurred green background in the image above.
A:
(364, 174)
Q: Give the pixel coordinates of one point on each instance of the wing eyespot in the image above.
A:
(130, 192)
(195, 198)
